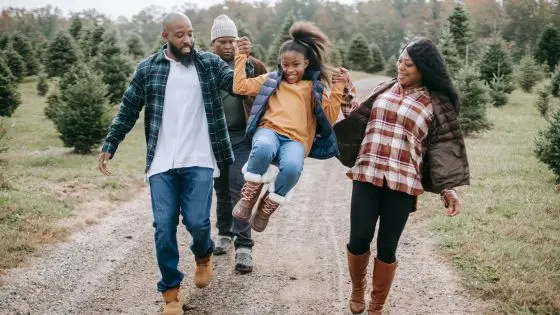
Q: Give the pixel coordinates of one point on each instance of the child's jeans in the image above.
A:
(268, 146)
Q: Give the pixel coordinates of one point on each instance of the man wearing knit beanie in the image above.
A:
(223, 37)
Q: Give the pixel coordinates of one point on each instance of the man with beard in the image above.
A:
(187, 142)
(223, 37)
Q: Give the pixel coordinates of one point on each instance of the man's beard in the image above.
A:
(185, 59)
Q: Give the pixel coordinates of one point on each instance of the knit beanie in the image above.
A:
(223, 26)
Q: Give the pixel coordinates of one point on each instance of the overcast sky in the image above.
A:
(113, 8)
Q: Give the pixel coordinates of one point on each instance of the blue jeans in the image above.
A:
(185, 191)
(270, 146)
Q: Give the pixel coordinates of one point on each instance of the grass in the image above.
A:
(47, 182)
(506, 243)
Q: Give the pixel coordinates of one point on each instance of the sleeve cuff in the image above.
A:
(109, 148)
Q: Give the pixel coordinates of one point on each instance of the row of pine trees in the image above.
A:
(89, 68)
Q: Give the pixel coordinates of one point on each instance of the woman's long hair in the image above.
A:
(429, 62)
(310, 41)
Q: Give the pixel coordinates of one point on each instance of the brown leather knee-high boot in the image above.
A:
(357, 266)
(383, 275)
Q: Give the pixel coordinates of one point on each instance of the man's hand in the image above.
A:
(340, 75)
(244, 46)
(103, 160)
(451, 202)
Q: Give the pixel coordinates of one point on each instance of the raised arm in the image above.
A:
(241, 84)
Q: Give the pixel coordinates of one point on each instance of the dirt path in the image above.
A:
(300, 265)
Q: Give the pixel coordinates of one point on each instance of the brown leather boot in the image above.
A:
(268, 204)
(203, 272)
(249, 195)
(383, 275)
(357, 266)
(172, 306)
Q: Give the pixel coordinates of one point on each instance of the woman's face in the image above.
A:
(408, 74)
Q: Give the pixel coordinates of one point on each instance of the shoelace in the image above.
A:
(248, 192)
(269, 206)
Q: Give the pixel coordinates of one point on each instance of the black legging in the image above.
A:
(370, 202)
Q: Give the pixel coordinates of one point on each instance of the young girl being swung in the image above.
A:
(291, 119)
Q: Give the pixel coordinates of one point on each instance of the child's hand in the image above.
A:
(244, 46)
(340, 75)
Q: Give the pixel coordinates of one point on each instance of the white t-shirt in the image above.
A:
(183, 139)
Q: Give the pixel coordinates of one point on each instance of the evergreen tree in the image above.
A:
(4, 41)
(548, 48)
(95, 40)
(61, 55)
(243, 31)
(282, 36)
(14, 62)
(343, 50)
(23, 47)
(378, 63)
(201, 45)
(335, 57)
(459, 29)
(498, 92)
(10, 98)
(78, 71)
(75, 29)
(449, 52)
(258, 52)
(543, 102)
(84, 42)
(42, 86)
(359, 54)
(391, 69)
(115, 69)
(473, 95)
(84, 115)
(555, 83)
(135, 47)
(53, 106)
(547, 147)
(528, 74)
(497, 61)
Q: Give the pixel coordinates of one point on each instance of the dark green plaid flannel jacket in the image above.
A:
(147, 88)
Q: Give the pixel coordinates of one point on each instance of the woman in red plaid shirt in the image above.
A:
(412, 143)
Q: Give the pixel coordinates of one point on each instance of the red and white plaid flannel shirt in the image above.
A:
(392, 148)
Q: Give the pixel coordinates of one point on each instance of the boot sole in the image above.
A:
(242, 219)
(243, 269)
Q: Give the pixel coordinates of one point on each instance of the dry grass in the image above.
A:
(48, 183)
(507, 241)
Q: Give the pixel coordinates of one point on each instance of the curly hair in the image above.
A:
(310, 41)
(431, 66)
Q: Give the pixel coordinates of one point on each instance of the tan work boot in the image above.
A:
(203, 272)
(249, 195)
(383, 275)
(357, 266)
(173, 304)
(268, 204)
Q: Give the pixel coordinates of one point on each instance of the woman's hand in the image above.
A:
(451, 202)
(340, 75)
